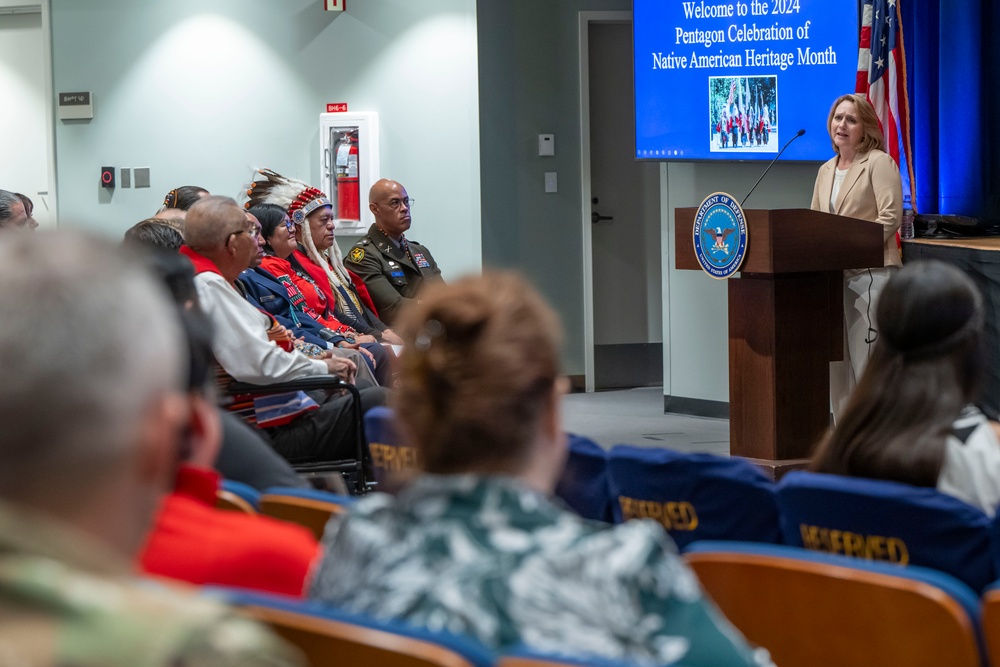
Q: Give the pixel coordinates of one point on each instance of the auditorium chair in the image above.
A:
(306, 507)
(693, 496)
(583, 485)
(991, 622)
(819, 610)
(238, 398)
(391, 459)
(237, 496)
(328, 636)
(524, 656)
(888, 521)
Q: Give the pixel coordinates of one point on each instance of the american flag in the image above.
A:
(882, 76)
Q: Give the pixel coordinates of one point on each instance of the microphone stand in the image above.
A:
(797, 135)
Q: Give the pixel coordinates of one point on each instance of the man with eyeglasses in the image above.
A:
(15, 212)
(393, 267)
(221, 243)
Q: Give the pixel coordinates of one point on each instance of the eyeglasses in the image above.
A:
(289, 225)
(396, 202)
(253, 232)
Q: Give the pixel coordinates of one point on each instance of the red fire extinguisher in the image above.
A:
(348, 187)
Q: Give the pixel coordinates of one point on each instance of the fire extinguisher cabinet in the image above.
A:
(349, 157)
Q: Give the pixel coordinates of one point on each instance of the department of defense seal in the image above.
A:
(720, 235)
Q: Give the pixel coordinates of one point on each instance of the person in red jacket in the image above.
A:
(193, 541)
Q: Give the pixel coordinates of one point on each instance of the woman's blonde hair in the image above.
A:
(871, 135)
(480, 361)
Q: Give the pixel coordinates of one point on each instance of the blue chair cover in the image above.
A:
(584, 481)
(388, 452)
(470, 649)
(956, 589)
(311, 494)
(244, 491)
(890, 521)
(694, 496)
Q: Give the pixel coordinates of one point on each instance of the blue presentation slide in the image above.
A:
(720, 80)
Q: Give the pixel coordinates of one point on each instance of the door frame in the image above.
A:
(43, 7)
(52, 199)
(585, 20)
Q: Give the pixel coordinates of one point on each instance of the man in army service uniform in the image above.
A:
(92, 426)
(393, 267)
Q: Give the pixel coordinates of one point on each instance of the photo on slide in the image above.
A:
(743, 114)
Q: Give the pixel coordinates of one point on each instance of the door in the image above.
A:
(625, 227)
(23, 132)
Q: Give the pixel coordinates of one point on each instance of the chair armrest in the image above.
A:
(312, 383)
(302, 384)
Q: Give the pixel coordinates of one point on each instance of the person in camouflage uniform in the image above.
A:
(91, 425)
(475, 545)
(393, 267)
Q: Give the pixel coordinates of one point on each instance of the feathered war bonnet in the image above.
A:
(299, 200)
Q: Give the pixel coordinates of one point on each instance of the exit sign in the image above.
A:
(334, 5)
(336, 107)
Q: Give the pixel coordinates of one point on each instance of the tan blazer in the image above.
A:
(872, 190)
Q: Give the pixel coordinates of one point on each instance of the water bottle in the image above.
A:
(906, 228)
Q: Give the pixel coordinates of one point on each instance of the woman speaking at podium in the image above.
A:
(860, 181)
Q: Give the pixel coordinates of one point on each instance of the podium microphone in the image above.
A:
(797, 135)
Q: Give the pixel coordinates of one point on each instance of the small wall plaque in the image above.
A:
(76, 106)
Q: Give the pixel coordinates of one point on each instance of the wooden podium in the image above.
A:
(786, 324)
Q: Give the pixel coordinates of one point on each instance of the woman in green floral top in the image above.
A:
(475, 545)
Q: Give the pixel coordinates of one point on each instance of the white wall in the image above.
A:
(695, 318)
(202, 93)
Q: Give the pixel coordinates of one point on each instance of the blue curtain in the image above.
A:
(953, 76)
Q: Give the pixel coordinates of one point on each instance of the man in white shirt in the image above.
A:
(221, 243)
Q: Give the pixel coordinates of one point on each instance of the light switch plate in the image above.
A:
(142, 177)
(550, 182)
(546, 144)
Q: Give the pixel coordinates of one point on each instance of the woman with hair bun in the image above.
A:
(474, 544)
(911, 418)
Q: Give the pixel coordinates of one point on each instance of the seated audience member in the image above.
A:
(309, 342)
(154, 232)
(177, 203)
(193, 541)
(184, 197)
(172, 215)
(221, 244)
(245, 455)
(92, 426)
(15, 212)
(317, 261)
(393, 267)
(270, 287)
(911, 418)
(474, 545)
